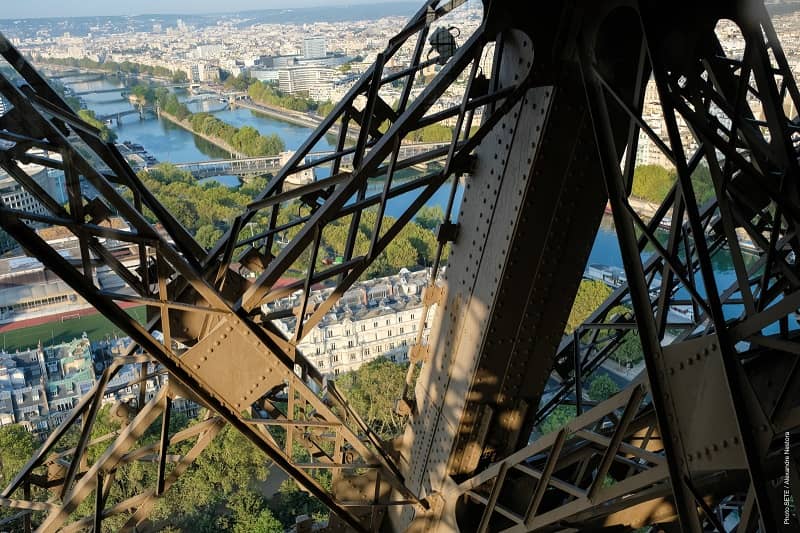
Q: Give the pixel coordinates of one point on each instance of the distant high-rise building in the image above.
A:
(314, 47)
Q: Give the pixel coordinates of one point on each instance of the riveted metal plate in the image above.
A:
(255, 370)
(703, 408)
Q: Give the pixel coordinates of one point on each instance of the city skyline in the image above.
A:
(57, 8)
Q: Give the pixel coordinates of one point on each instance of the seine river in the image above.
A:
(169, 143)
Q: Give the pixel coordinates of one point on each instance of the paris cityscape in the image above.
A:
(206, 109)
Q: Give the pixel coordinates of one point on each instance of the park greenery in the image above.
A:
(629, 351)
(653, 183)
(143, 94)
(267, 94)
(591, 293)
(203, 209)
(600, 387)
(126, 67)
(433, 133)
(207, 209)
(88, 116)
(246, 139)
(224, 489)
(372, 390)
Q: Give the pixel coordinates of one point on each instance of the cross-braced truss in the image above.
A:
(696, 440)
(722, 428)
(205, 311)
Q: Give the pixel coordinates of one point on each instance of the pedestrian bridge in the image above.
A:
(250, 166)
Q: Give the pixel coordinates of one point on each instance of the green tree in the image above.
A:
(324, 109)
(16, 447)
(207, 235)
(702, 184)
(291, 502)
(267, 94)
(590, 295)
(629, 349)
(429, 217)
(250, 514)
(179, 76)
(89, 117)
(602, 388)
(433, 133)
(372, 390)
(143, 94)
(652, 182)
(557, 419)
(238, 83)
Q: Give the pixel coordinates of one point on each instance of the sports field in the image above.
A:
(64, 329)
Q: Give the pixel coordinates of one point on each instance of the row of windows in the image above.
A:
(330, 330)
(366, 352)
(402, 330)
(351, 343)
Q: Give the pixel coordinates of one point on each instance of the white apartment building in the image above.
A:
(306, 80)
(374, 318)
(314, 47)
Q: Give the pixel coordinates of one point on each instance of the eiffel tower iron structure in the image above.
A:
(544, 137)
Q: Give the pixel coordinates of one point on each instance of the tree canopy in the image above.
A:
(372, 391)
(602, 388)
(653, 182)
(88, 116)
(591, 294)
(265, 93)
(429, 217)
(128, 67)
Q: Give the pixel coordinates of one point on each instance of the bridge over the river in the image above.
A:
(124, 89)
(251, 166)
(138, 110)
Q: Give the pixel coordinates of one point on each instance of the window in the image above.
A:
(335, 371)
(319, 350)
(404, 343)
(333, 346)
(413, 327)
(363, 327)
(391, 346)
(335, 358)
(366, 351)
(347, 333)
(401, 331)
(374, 324)
(412, 316)
(321, 363)
(349, 344)
(352, 357)
(328, 333)
(389, 333)
(388, 322)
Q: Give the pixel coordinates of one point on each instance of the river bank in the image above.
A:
(293, 117)
(213, 140)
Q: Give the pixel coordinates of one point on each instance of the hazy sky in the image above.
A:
(76, 8)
